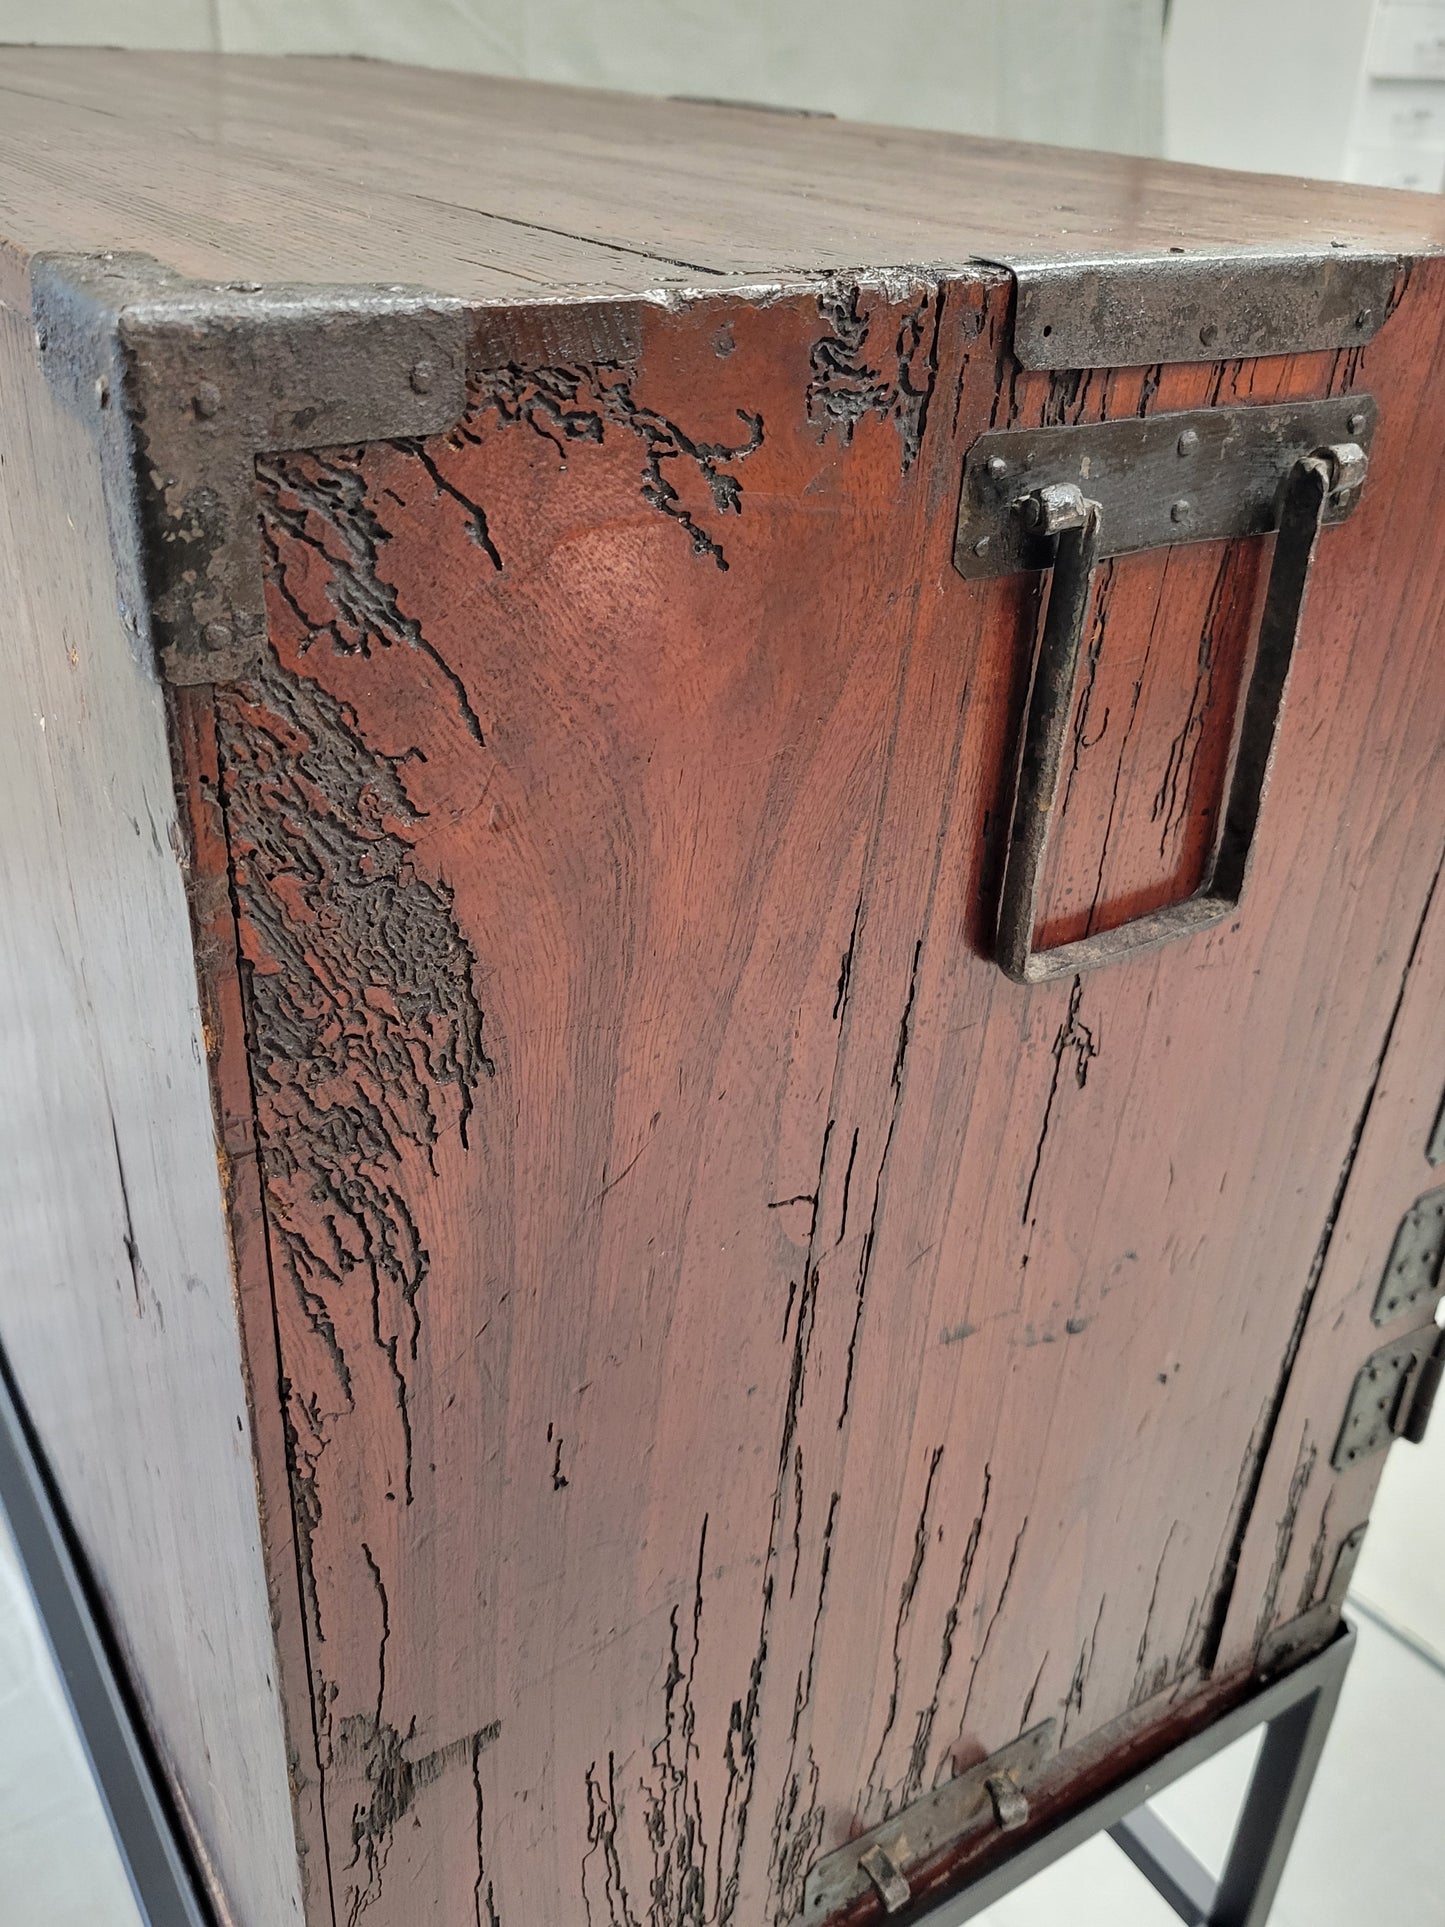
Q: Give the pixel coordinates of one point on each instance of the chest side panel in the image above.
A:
(741, 1357)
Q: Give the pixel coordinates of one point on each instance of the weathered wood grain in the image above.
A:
(504, 190)
(741, 1357)
(116, 1299)
(1304, 1509)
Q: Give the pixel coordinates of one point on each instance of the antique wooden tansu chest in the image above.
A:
(723, 976)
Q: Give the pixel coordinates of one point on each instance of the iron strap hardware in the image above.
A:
(987, 1796)
(1129, 310)
(1055, 495)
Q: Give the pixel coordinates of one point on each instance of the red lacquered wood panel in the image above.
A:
(740, 1357)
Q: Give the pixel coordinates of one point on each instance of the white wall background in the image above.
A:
(1344, 89)
(1085, 73)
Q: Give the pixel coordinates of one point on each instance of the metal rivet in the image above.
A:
(207, 400)
(980, 547)
(1188, 442)
(422, 377)
(997, 465)
(1362, 319)
(1209, 333)
(1179, 511)
(1358, 423)
(218, 634)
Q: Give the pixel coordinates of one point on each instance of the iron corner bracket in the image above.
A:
(1133, 312)
(186, 382)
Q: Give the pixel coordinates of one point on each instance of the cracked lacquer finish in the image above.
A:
(742, 1359)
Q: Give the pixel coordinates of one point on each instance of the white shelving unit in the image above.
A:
(1397, 134)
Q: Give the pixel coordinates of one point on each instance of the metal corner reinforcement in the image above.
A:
(186, 382)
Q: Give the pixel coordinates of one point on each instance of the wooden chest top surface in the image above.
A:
(489, 189)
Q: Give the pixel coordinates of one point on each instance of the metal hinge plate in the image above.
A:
(987, 1797)
(1196, 476)
(1391, 1396)
(1417, 1257)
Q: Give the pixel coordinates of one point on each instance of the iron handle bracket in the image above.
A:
(1317, 484)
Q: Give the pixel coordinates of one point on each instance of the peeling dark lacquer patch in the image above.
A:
(851, 379)
(876, 1787)
(361, 1004)
(923, 1735)
(321, 502)
(372, 1749)
(366, 1051)
(579, 404)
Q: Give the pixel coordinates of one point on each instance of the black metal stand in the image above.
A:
(1295, 1712)
(131, 1786)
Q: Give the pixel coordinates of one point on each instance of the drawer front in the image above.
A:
(741, 1357)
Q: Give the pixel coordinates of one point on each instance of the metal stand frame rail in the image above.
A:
(1295, 1711)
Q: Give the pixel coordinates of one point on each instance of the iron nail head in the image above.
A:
(997, 465)
(980, 547)
(1179, 511)
(1188, 441)
(1209, 333)
(422, 377)
(207, 400)
(218, 634)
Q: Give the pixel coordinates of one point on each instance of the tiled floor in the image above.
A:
(1367, 1854)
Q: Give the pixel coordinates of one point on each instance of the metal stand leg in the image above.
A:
(1242, 1897)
